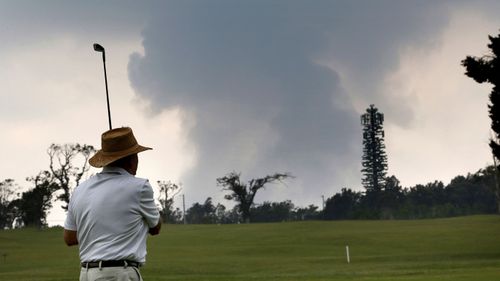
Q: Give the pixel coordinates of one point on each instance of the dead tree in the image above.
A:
(244, 194)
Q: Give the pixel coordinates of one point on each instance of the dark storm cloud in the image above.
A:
(24, 22)
(247, 74)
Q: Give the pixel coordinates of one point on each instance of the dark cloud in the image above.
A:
(24, 22)
(247, 74)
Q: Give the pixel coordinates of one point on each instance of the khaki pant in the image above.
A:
(129, 273)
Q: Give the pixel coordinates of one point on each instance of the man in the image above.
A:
(111, 213)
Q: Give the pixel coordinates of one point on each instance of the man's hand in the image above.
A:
(70, 237)
(155, 230)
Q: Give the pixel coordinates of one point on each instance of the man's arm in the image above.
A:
(148, 209)
(70, 237)
(155, 230)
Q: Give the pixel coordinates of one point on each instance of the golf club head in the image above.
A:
(98, 48)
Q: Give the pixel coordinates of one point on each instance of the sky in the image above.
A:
(255, 87)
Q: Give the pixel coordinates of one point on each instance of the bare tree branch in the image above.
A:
(63, 168)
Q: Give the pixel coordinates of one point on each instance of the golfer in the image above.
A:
(111, 213)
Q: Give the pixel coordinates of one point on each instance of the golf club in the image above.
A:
(99, 48)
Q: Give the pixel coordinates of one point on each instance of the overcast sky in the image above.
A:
(255, 87)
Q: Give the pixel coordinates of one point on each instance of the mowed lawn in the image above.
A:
(465, 248)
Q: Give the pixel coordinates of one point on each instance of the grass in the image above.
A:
(465, 248)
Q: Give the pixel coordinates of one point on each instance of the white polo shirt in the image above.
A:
(112, 213)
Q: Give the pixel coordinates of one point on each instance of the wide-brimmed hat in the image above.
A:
(116, 144)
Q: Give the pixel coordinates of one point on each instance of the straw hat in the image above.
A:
(116, 144)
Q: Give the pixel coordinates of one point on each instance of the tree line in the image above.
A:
(464, 195)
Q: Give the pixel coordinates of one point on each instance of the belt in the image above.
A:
(118, 263)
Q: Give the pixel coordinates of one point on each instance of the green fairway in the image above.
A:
(466, 248)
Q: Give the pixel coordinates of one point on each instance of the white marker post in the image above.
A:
(347, 254)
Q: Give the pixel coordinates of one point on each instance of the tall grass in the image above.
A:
(465, 248)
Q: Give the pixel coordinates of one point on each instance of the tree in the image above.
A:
(374, 160)
(33, 205)
(226, 216)
(308, 213)
(168, 191)
(7, 193)
(487, 69)
(469, 195)
(342, 205)
(202, 213)
(426, 201)
(63, 169)
(272, 211)
(391, 198)
(244, 194)
(220, 213)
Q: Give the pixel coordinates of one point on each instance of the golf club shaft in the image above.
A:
(107, 94)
